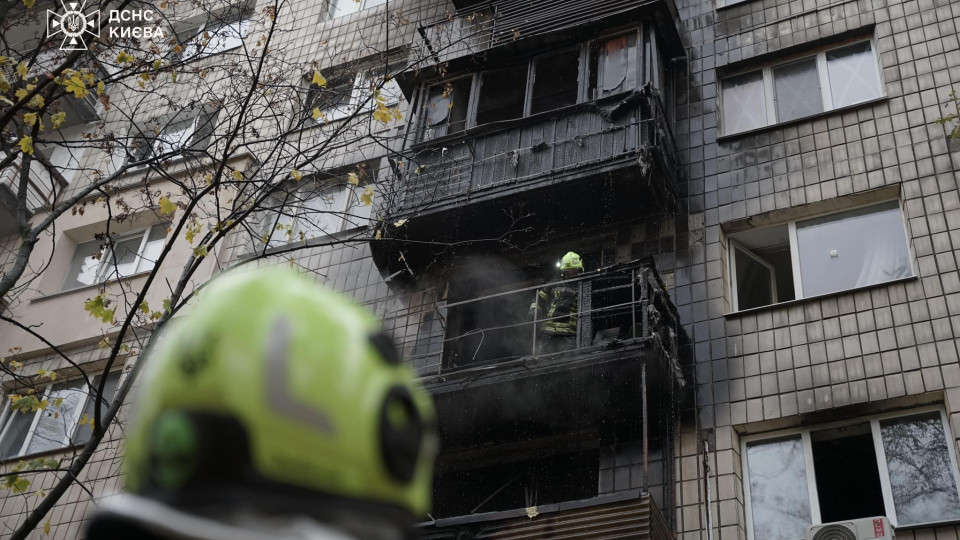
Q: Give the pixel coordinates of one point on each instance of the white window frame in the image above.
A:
(362, 5)
(7, 414)
(359, 91)
(823, 76)
(734, 245)
(874, 421)
(296, 214)
(795, 256)
(105, 270)
(203, 119)
(727, 3)
(191, 47)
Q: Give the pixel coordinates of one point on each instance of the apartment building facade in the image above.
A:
(768, 215)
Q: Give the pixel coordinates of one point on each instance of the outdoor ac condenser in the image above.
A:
(858, 529)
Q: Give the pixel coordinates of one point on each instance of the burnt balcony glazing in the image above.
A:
(43, 184)
(484, 361)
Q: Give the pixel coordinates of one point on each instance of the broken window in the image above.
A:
(836, 252)
(912, 481)
(521, 484)
(446, 110)
(555, 80)
(502, 92)
(613, 66)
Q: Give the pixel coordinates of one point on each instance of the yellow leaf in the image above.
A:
(319, 80)
(57, 119)
(26, 144)
(29, 4)
(367, 197)
(399, 223)
(208, 178)
(100, 88)
(124, 58)
(4, 84)
(200, 251)
(76, 86)
(30, 119)
(353, 178)
(316, 114)
(378, 236)
(237, 175)
(15, 365)
(104, 343)
(46, 524)
(167, 206)
(21, 93)
(296, 175)
(22, 70)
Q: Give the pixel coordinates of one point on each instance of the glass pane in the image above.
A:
(798, 90)
(124, 260)
(502, 92)
(853, 75)
(617, 64)
(754, 281)
(852, 249)
(921, 471)
(447, 108)
(346, 7)
(358, 214)
(555, 80)
(58, 418)
(778, 489)
(153, 248)
(83, 268)
(744, 106)
(84, 431)
(227, 37)
(19, 425)
(175, 136)
(323, 212)
(277, 222)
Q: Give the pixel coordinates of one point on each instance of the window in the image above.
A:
(902, 467)
(183, 132)
(822, 82)
(348, 93)
(57, 425)
(346, 7)
(213, 36)
(316, 209)
(543, 83)
(95, 262)
(555, 80)
(822, 255)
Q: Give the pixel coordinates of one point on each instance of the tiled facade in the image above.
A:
(843, 356)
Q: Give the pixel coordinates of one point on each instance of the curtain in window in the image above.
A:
(779, 500)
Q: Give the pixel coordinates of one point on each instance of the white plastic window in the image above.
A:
(95, 261)
(828, 80)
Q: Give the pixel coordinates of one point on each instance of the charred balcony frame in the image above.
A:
(625, 385)
(597, 144)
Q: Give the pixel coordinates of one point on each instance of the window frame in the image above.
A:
(190, 47)
(7, 413)
(768, 83)
(359, 90)
(880, 455)
(643, 74)
(364, 5)
(106, 272)
(733, 244)
(202, 124)
(267, 227)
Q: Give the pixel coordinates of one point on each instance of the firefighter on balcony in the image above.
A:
(275, 410)
(556, 307)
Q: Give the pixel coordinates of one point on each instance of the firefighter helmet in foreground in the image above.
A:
(283, 398)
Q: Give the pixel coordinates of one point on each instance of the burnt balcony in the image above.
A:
(484, 361)
(632, 515)
(598, 162)
(42, 187)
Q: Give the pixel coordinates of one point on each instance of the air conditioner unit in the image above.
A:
(858, 529)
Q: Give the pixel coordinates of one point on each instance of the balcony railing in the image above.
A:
(618, 305)
(629, 515)
(628, 130)
(42, 189)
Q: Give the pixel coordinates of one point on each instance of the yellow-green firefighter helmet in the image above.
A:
(278, 391)
(571, 261)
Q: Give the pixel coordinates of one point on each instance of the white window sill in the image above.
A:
(107, 283)
(788, 303)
